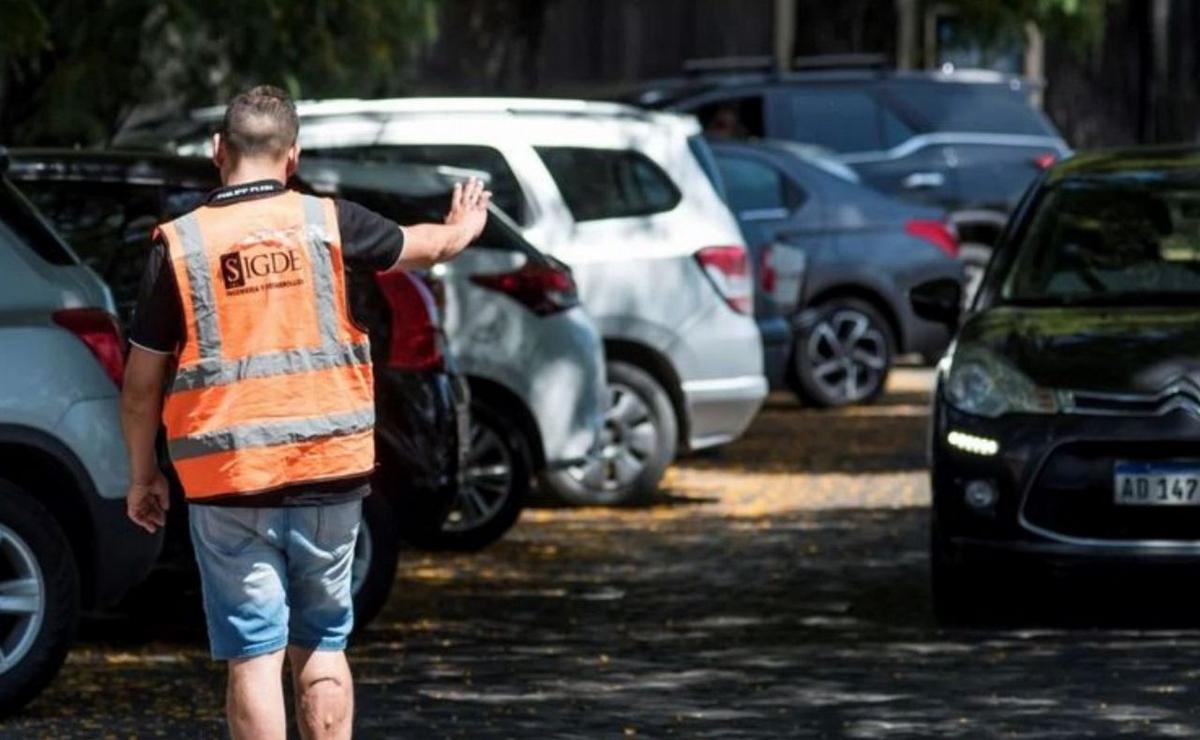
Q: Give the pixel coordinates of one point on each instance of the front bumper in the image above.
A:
(1054, 476)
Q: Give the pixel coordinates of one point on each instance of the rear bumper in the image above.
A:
(720, 409)
(123, 553)
(567, 387)
(419, 438)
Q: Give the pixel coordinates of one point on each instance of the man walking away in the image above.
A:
(269, 412)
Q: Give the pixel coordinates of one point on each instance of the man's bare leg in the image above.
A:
(254, 698)
(324, 693)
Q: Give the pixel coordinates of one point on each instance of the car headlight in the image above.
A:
(982, 383)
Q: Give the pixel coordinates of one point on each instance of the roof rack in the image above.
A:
(841, 61)
(729, 64)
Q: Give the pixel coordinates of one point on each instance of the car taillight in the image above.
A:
(99, 331)
(729, 271)
(416, 339)
(934, 232)
(1045, 160)
(542, 288)
(766, 269)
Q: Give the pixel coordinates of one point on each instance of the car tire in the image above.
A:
(640, 426)
(36, 562)
(376, 554)
(496, 482)
(828, 374)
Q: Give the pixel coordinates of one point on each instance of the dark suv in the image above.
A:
(969, 142)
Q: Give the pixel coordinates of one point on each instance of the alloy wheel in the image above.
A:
(22, 598)
(487, 482)
(847, 355)
(629, 441)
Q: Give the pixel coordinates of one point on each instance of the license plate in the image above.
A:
(1156, 484)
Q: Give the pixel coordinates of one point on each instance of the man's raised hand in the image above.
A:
(468, 207)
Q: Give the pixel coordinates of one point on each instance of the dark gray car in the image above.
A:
(863, 251)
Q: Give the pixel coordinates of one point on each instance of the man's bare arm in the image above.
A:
(141, 414)
(426, 245)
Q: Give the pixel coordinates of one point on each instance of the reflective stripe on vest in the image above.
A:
(272, 434)
(285, 395)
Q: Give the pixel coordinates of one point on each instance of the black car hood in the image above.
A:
(1104, 350)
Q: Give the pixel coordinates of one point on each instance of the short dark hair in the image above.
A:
(260, 122)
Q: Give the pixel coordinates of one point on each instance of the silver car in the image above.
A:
(531, 354)
(65, 542)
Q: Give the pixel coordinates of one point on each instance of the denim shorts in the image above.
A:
(274, 577)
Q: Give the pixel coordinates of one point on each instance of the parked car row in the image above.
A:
(618, 194)
(969, 142)
(638, 289)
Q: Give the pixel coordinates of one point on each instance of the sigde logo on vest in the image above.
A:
(249, 272)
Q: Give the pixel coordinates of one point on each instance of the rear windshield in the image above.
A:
(1105, 243)
(609, 183)
(498, 233)
(968, 108)
(20, 217)
(506, 190)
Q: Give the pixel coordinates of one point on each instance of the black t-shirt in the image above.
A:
(370, 243)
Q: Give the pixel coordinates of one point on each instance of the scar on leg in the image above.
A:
(323, 679)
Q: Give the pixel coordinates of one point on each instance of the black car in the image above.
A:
(859, 252)
(968, 142)
(1066, 422)
(106, 204)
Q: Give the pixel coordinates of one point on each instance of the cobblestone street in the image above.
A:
(778, 590)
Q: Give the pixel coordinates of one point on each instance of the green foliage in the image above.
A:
(73, 69)
(1077, 23)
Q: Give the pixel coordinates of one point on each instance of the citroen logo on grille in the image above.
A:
(1181, 393)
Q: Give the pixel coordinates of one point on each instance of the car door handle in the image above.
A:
(919, 180)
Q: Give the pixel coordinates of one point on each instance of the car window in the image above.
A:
(733, 118)
(837, 119)
(407, 210)
(754, 186)
(506, 190)
(609, 183)
(20, 217)
(969, 108)
(107, 224)
(1106, 243)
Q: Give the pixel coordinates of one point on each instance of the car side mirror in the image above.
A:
(938, 300)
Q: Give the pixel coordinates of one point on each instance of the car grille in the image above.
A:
(1183, 395)
(1072, 495)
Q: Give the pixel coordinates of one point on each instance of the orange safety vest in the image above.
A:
(273, 385)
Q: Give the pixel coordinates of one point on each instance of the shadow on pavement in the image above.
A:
(665, 622)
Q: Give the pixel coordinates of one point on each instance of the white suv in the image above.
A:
(65, 542)
(619, 194)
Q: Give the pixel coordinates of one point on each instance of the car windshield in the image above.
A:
(1107, 243)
